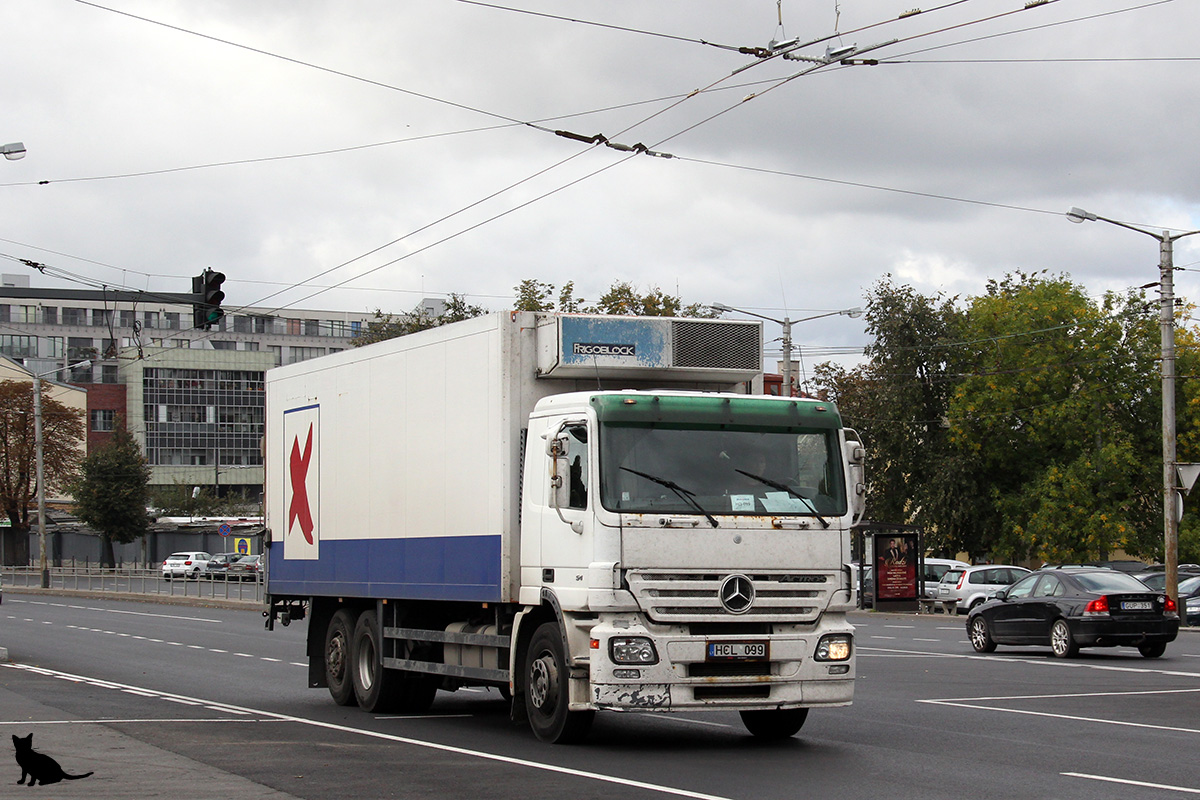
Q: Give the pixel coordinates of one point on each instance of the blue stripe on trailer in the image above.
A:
(434, 568)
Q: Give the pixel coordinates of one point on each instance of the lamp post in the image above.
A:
(1166, 268)
(787, 323)
(13, 151)
(40, 459)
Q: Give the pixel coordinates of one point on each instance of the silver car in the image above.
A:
(971, 586)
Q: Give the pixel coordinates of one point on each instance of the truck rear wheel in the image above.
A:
(547, 695)
(778, 723)
(375, 688)
(337, 657)
(385, 690)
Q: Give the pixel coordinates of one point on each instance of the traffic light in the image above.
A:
(206, 306)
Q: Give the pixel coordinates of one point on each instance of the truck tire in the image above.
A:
(546, 690)
(385, 690)
(375, 688)
(338, 638)
(780, 723)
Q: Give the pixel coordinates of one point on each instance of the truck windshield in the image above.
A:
(723, 470)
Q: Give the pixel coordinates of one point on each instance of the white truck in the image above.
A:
(587, 512)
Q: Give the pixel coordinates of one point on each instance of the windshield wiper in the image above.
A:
(684, 494)
(783, 487)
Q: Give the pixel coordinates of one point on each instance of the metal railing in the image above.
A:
(135, 580)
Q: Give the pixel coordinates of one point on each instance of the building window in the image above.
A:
(127, 318)
(108, 373)
(355, 327)
(295, 327)
(218, 344)
(250, 345)
(102, 317)
(150, 320)
(79, 348)
(50, 315)
(298, 354)
(172, 318)
(276, 351)
(74, 316)
(103, 420)
(18, 346)
(5, 313)
(241, 324)
(54, 347)
(312, 327)
(27, 314)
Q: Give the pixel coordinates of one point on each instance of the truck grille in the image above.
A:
(691, 597)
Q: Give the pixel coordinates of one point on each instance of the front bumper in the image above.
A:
(684, 677)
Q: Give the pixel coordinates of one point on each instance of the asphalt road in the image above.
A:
(170, 701)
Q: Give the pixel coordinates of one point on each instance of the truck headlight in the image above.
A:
(632, 650)
(833, 647)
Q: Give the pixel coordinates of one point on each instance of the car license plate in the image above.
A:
(739, 651)
(1136, 605)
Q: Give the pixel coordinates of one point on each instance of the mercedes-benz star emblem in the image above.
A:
(737, 594)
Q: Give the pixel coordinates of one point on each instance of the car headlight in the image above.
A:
(834, 647)
(632, 650)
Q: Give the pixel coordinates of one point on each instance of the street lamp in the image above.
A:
(39, 457)
(14, 151)
(1166, 268)
(787, 333)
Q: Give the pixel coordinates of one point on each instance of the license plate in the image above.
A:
(1136, 605)
(739, 651)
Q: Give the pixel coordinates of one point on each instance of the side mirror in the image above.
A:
(1001, 595)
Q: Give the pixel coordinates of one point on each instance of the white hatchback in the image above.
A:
(974, 585)
(185, 565)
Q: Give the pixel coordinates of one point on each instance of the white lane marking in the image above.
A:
(925, 640)
(1132, 693)
(1126, 782)
(120, 611)
(883, 637)
(1070, 717)
(1047, 661)
(463, 751)
(903, 627)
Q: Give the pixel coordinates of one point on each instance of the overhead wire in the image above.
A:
(775, 84)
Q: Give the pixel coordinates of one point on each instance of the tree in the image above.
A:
(112, 491)
(622, 299)
(385, 326)
(898, 402)
(62, 432)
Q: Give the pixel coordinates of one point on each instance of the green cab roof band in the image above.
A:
(718, 411)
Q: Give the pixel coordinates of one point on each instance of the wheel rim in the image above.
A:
(336, 657)
(543, 682)
(1060, 638)
(366, 663)
(978, 634)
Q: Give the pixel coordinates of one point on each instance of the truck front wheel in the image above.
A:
(337, 657)
(775, 724)
(546, 676)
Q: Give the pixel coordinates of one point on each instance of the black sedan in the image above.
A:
(1072, 608)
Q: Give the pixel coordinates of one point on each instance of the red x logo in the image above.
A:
(299, 510)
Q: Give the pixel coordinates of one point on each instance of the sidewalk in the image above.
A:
(123, 767)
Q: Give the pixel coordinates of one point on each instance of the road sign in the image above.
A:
(242, 546)
(224, 530)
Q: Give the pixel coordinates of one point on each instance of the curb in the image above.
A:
(138, 597)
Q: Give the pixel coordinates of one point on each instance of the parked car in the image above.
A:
(185, 565)
(935, 568)
(246, 568)
(1156, 579)
(219, 564)
(1069, 609)
(969, 587)
(1189, 598)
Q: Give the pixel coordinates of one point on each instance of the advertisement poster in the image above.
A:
(896, 566)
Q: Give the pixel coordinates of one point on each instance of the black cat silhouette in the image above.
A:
(40, 768)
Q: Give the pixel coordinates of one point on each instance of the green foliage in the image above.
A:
(1022, 423)
(111, 491)
(385, 326)
(622, 299)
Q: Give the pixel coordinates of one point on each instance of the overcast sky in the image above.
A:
(951, 162)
